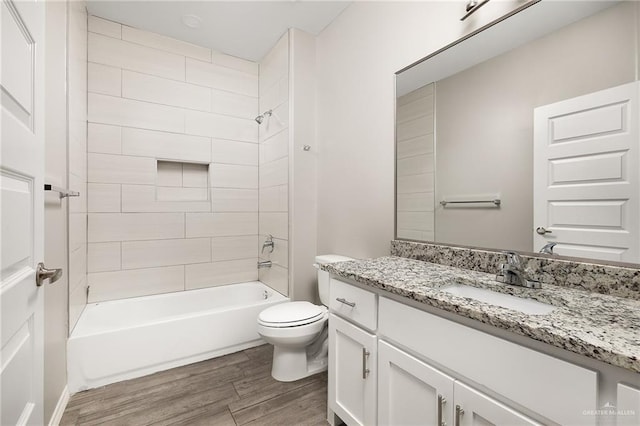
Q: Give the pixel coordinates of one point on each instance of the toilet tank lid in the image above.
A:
(331, 258)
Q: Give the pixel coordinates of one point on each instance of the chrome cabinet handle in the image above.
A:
(365, 370)
(441, 401)
(346, 302)
(43, 273)
(541, 230)
(459, 413)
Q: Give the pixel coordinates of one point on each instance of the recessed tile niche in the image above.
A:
(178, 181)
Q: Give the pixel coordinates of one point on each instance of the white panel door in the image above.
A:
(411, 392)
(586, 181)
(352, 372)
(21, 217)
(473, 408)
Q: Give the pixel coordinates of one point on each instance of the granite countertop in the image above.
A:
(606, 328)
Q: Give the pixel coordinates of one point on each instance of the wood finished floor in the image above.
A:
(235, 389)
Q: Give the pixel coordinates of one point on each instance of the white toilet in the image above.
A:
(298, 331)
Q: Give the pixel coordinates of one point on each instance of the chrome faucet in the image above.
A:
(513, 273)
(264, 264)
(548, 248)
(268, 243)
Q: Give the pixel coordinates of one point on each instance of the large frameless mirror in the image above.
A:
(524, 136)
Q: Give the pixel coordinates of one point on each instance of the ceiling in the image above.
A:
(246, 29)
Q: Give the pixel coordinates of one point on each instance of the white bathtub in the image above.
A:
(123, 339)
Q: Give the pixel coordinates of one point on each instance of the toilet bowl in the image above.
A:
(298, 331)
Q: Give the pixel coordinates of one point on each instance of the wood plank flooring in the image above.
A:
(235, 389)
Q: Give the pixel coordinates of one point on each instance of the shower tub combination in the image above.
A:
(124, 339)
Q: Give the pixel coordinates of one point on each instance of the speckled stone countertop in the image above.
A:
(606, 328)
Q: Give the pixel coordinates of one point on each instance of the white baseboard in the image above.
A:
(60, 406)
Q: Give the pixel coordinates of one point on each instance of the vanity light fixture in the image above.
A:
(472, 6)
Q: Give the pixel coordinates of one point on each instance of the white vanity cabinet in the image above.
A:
(352, 380)
(410, 391)
(628, 405)
(393, 364)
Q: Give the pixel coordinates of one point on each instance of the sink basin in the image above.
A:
(526, 306)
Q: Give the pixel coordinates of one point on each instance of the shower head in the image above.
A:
(259, 119)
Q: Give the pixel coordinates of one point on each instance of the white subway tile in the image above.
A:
(103, 257)
(274, 199)
(148, 88)
(234, 200)
(276, 95)
(233, 152)
(169, 193)
(103, 197)
(126, 112)
(233, 176)
(195, 175)
(146, 254)
(274, 173)
(78, 230)
(77, 303)
(169, 174)
(77, 266)
(239, 64)
(276, 224)
(165, 43)
(276, 277)
(134, 283)
(143, 198)
(169, 146)
(221, 224)
(275, 65)
(229, 248)
(275, 147)
(221, 273)
(104, 139)
(104, 27)
(217, 77)
(131, 56)
(221, 126)
(104, 227)
(229, 103)
(275, 123)
(104, 79)
(108, 168)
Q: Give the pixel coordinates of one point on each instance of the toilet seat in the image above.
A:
(291, 314)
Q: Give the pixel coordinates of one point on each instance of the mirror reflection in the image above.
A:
(524, 136)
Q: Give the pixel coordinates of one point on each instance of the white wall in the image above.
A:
(170, 228)
(55, 210)
(357, 57)
(77, 157)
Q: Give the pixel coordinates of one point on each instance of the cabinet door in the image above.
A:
(411, 392)
(352, 372)
(475, 408)
(628, 406)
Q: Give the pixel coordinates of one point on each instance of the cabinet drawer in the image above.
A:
(528, 377)
(353, 303)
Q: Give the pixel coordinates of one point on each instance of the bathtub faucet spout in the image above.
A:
(264, 264)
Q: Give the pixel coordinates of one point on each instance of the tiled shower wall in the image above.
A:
(274, 164)
(172, 165)
(77, 157)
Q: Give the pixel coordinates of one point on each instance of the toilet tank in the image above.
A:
(323, 276)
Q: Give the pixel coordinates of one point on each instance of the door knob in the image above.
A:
(541, 230)
(43, 273)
